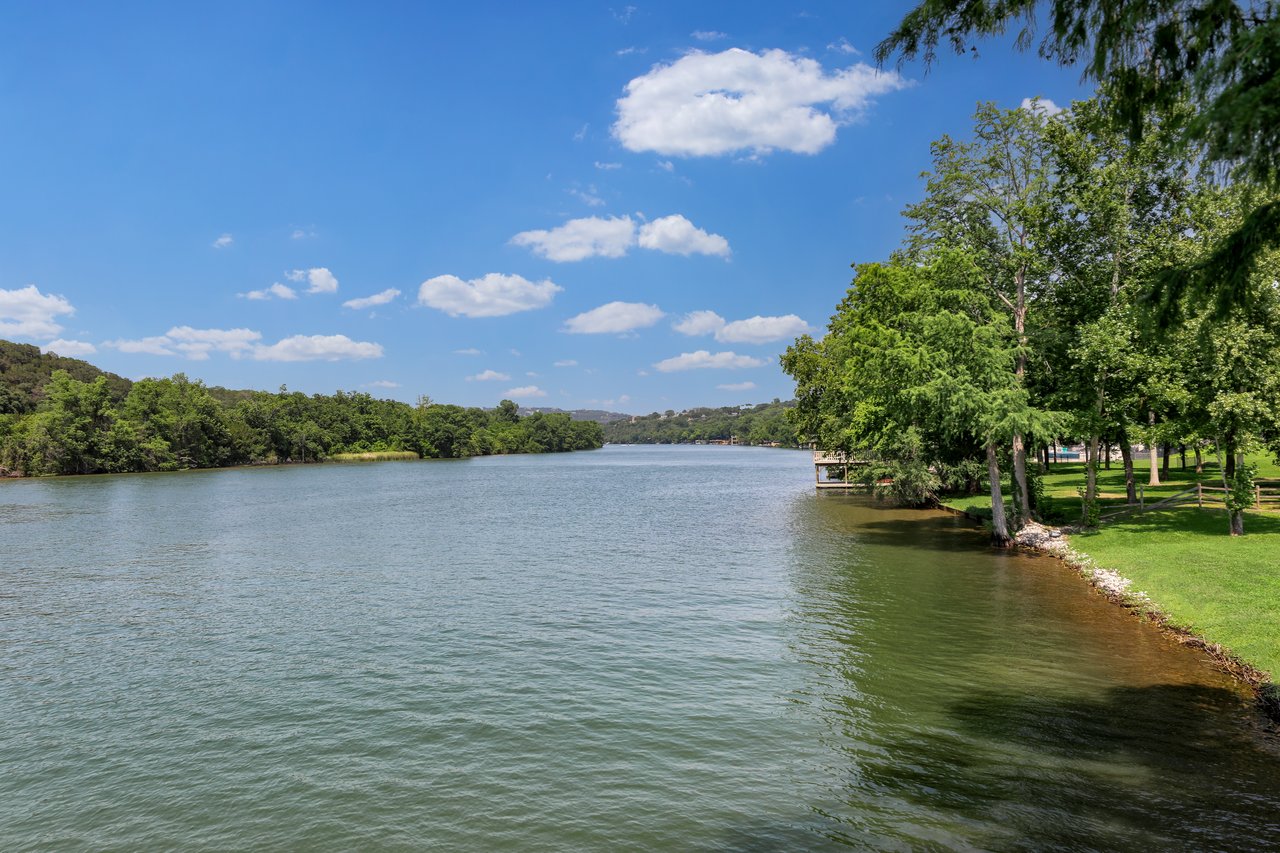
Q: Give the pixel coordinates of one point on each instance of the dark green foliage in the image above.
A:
(764, 423)
(80, 427)
(25, 371)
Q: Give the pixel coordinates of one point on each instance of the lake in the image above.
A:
(677, 648)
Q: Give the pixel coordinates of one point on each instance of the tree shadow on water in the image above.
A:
(1165, 765)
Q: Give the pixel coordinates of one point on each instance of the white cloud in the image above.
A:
(489, 376)
(1044, 106)
(579, 239)
(28, 313)
(495, 295)
(468, 351)
(278, 290)
(195, 344)
(721, 103)
(676, 235)
(737, 386)
(607, 167)
(302, 234)
(568, 362)
(708, 35)
(319, 279)
(525, 392)
(369, 301)
(703, 359)
(69, 348)
(627, 51)
(760, 330)
(842, 46)
(223, 241)
(587, 197)
(317, 348)
(699, 323)
(614, 318)
(383, 383)
(666, 165)
(754, 330)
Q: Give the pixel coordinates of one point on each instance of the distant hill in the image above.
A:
(597, 415)
(762, 423)
(24, 371)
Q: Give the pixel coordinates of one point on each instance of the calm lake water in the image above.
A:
(635, 648)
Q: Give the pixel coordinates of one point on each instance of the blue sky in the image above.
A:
(596, 206)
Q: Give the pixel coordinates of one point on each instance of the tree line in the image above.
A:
(1029, 302)
(88, 427)
(764, 423)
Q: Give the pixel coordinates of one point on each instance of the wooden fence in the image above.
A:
(1266, 495)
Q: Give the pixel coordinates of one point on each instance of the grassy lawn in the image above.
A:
(1223, 589)
(1226, 590)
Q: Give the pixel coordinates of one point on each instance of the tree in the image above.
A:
(1222, 55)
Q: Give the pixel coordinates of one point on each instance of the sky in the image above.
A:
(627, 207)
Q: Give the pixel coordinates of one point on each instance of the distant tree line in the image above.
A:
(765, 423)
(88, 427)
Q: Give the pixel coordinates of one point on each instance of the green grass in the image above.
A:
(1224, 589)
(374, 456)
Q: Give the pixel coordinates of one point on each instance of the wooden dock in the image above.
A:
(826, 461)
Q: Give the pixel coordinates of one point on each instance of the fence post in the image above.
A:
(1257, 496)
(1200, 494)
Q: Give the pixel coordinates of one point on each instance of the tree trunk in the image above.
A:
(1106, 455)
(1153, 452)
(1199, 460)
(1022, 508)
(1237, 523)
(1126, 453)
(999, 527)
(1182, 456)
(1164, 464)
(1091, 471)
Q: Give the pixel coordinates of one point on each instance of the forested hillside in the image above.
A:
(25, 371)
(764, 423)
(75, 426)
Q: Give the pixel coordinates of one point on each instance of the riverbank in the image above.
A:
(1178, 569)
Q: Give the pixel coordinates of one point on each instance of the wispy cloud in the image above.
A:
(318, 348)
(524, 392)
(382, 383)
(568, 362)
(370, 301)
(705, 360)
(224, 241)
(708, 35)
(489, 376)
(737, 386)
(468, 351)
(276, 290)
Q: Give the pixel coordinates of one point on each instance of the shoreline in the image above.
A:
(1055, 542)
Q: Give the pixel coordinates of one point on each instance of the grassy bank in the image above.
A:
(373, 456)
(1225, 590)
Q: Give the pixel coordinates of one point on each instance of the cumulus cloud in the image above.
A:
(524, 392)
(494, 295)
(699, 323)
(195, 344)
(738, 101)
(703, 359)
(319, 279)
(737, 386)
(614, 318)
(69, 348)
(568, 362)
(579, 239)
(594, 236)
(278, 290)
(369, 301)
(676, 235)
(760, 330)
(1044, 106)
(317, 348)
(223, 241)
(25, 312)
(489, 376)
(753, 330)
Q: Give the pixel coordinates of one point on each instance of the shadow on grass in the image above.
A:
(1187, 520)
(1137, 767)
